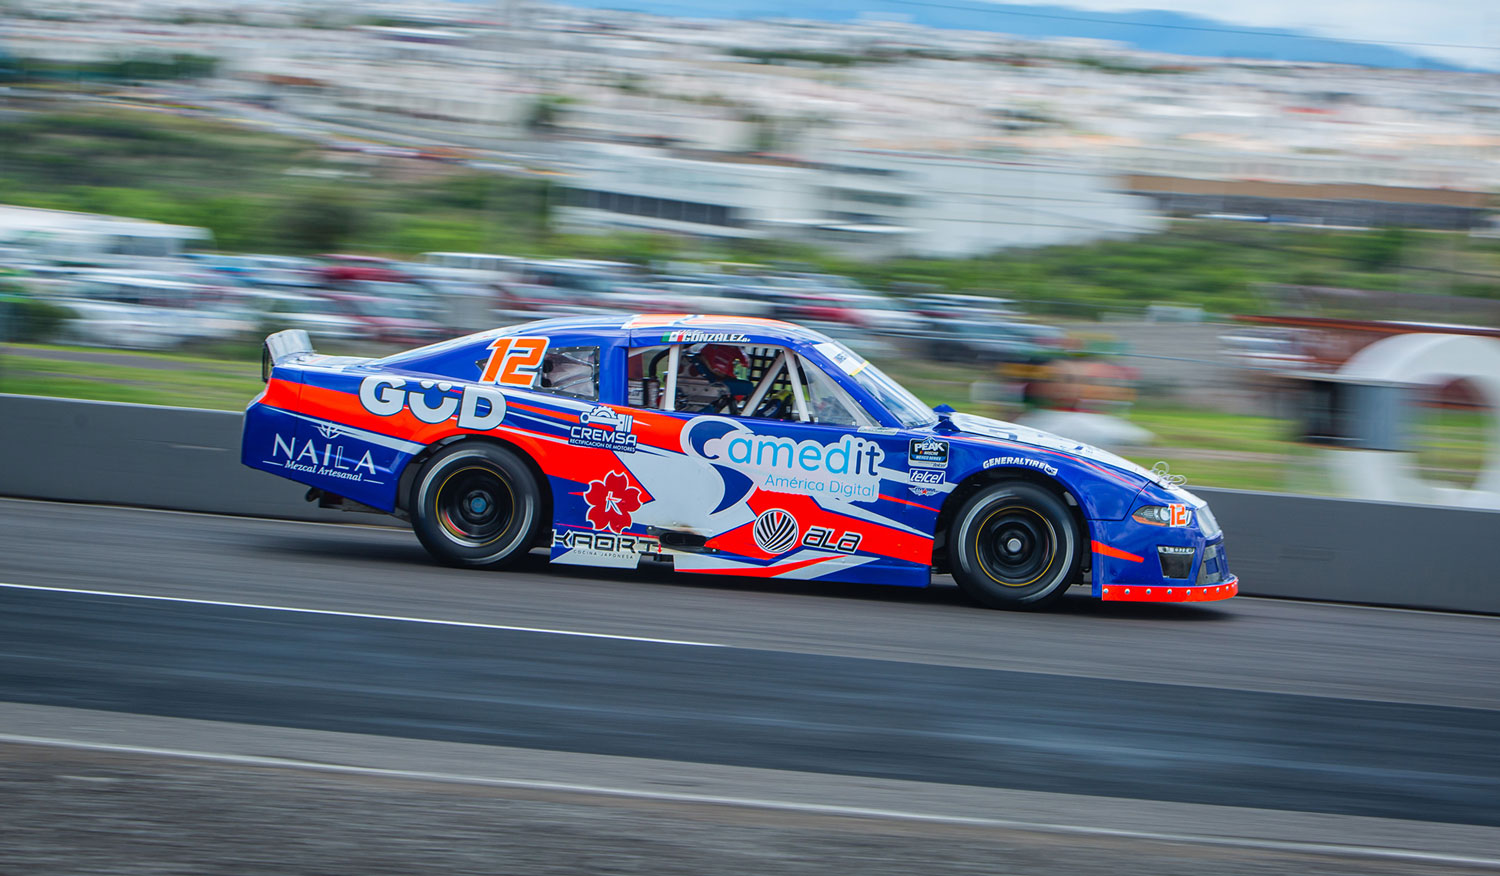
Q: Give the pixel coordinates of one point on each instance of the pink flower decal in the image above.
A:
(611, 502)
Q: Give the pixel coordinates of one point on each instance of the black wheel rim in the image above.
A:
(475, 506)
(1016, 546)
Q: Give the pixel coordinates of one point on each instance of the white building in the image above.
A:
(93, 238)
(865, 203)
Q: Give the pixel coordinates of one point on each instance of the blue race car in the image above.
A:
(728, 446)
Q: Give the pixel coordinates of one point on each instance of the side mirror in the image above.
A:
(945, 418)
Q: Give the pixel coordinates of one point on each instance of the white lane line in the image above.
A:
(396, 527)
(355, 614)
(1334, 849)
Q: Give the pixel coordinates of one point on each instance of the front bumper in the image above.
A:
(1137, 563)
(1171, 593)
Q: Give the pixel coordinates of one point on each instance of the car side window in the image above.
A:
(571, 372)
(739, 380)
(735, 380)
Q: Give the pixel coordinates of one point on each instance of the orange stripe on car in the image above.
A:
(905, 502)
(762, 571)
(1102, 548)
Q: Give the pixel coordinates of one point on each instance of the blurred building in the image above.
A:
(861, 202)
(1348, 204)
(92, 238)
(530, 79)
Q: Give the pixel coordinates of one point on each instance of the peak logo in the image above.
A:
(927, 453)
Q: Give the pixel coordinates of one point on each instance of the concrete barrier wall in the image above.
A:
(157, 457)
(1346, 550)
(1279, 545)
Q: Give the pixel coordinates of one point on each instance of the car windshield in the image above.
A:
(908, 410)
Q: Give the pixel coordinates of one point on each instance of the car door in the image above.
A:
(777, 471)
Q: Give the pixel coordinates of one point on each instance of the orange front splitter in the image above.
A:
(1137, 593)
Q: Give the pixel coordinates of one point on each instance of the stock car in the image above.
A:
(725, 446)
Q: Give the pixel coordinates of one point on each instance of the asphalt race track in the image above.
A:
(1366, 722)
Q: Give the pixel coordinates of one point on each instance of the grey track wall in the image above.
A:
(1279, 545)
(1344, 550)
(157, 457)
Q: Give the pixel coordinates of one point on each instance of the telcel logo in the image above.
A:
(477, 408)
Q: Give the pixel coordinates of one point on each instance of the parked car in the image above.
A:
(945, 305)
(146, 311)
(389, 320)
(314, 314)
(686, 296)
(989, 341)
(727, 446)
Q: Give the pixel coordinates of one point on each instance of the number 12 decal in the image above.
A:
(514, 361)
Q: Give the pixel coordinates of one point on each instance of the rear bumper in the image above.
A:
(1171, 592)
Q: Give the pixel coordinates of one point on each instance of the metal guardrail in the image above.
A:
(1302, 547)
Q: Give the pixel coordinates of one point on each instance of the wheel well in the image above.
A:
(414, 465)
(981, 479)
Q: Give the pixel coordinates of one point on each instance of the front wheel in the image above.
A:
(475, 505)
(1014, 545)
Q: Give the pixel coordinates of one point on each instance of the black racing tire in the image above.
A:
(476, 504)
(1014, 545)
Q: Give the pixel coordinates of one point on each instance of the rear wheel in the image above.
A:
(1014, 545)
(475, 504)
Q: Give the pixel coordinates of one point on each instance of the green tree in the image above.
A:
(319, 221)
(545, 113)
(1377, 251)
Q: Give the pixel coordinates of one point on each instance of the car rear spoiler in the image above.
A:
(282, 346)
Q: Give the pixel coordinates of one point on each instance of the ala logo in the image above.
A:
(476, 407)
(848, 469)
(776, 531)
(604, 427)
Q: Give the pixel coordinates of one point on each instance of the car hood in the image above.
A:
(985, 427)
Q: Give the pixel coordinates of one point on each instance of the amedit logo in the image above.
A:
(847, 469)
